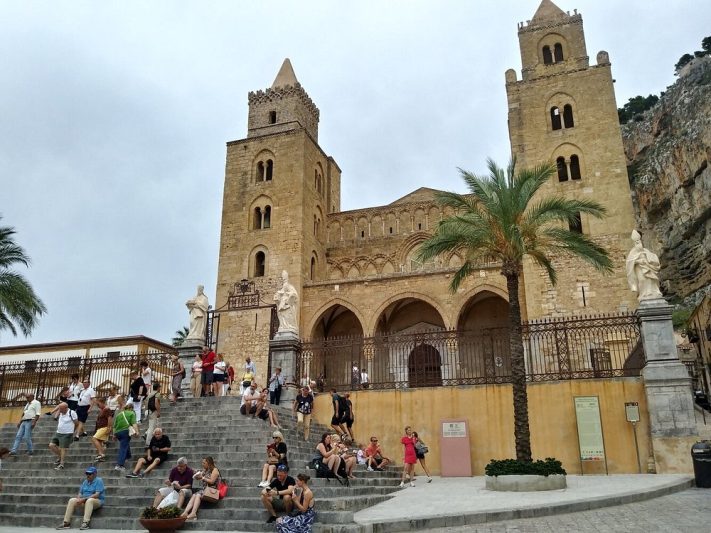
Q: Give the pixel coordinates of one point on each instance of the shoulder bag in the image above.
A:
(131, 430)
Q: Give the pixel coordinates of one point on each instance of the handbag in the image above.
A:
(222, 488)
(210, 495)
(421, 448)
(131, 430)
(170, 499)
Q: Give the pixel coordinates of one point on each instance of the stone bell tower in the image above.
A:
(563, 110)
(279, 187)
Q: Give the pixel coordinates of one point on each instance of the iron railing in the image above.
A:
(556, 349)
(46, 377)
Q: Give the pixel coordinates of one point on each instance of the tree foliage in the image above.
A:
(635, 107)
(503, 220)
(20, 307)
(180, 336)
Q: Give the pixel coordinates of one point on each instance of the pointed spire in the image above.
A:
(285, 76)
(547, 11)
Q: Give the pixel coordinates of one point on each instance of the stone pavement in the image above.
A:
(589, 504)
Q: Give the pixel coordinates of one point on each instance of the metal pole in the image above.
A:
(636, 447)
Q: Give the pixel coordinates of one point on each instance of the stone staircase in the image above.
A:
(35, 495)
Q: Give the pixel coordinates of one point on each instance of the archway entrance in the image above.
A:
(424, 367)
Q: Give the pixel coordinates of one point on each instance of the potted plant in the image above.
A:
(165, 520)
(524, 476)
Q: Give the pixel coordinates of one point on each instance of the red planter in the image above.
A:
(162, 525)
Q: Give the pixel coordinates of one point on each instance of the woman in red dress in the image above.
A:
(410, 457)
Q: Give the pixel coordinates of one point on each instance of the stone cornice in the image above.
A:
(549, 24)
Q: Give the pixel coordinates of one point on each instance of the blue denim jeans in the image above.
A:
(124, 451)
(24, 432)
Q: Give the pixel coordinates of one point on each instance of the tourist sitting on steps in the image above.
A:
(210, 477)
(179, 480)
(276, 497)
(156, 453)
(374, 457)
(91, 496)
(348, 457)
(271, 413)
(302, 515)
(276, 456)
(329, 454)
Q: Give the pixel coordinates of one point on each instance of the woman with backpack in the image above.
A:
(420, 451)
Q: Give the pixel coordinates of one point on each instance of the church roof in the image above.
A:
(547, 11)
(423, 194)
(285, 76)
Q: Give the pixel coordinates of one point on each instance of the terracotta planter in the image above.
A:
(162, 525)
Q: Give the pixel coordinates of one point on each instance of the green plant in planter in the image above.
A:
(161, 514)
(513, 467)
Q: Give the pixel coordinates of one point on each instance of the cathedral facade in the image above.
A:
(356, 271)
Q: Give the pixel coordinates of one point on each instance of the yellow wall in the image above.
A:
(11, 415)
(489, 412)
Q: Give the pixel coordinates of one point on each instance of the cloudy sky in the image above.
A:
(114, 117)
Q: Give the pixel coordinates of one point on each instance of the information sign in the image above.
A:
(590, 440)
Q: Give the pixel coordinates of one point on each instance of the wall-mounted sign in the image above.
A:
(454, 429)
(632, 411)
(590, 440)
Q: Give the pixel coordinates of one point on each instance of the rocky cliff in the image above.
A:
(668, 154)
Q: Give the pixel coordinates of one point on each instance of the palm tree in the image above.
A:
(500, 221)
(19, 305)
(180, 336)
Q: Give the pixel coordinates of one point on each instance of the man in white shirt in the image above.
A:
(30, 415)
(146, 375)
(86, 401)
(67, 423)
(251, 396)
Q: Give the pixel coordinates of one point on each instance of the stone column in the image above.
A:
(187, 353)
(668, 389)
(283, 349)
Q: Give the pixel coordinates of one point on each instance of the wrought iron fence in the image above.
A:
(557, 349)
(46, 377)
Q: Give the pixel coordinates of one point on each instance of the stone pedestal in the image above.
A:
(668, 389)
(187, 353)
(283, 350)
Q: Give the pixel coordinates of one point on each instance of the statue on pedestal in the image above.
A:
(287, 306)
(197, 306)
(642, 268)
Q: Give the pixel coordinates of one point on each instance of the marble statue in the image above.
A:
(642, 267)
(197, 306)
(287, 305)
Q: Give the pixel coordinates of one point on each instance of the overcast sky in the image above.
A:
(114, 117)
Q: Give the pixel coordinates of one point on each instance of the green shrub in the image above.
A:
(513, 467)
(165, 513)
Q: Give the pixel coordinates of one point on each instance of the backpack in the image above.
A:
(323, 471)
(343, 406)
(151, 403)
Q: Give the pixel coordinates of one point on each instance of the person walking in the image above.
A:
(276, 382)
(153, 411)
(177, 379)
(138, 392)
(67, 423)
(104, 423)
(123, 422)
(303, 407)
(75, 388)
(86, 401)
(408, 441)
(420, 451)
(28, 420)
(91, 496)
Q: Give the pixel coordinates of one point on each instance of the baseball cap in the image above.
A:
(91, 470)
(282, 468)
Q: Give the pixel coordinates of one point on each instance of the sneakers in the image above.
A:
(55, 463)
(263, 484)
(76, 438)
(271, 519)
(29, 453)
(402, 485)
(13, 454)
(370, 469)
(60, 466)
(132, 475)
(85, 434)
(412, 483)
(429, 479)
(120, 468)
(99, 458)
(65, 525)
(84, 525)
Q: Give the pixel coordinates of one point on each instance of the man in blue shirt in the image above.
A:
(91, 496)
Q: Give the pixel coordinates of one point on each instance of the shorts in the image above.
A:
(278, 504)
(349, 422)
(336, 421)
(83, 413)
(264, 414)
(102, 434)
(72, 404)
(218, 378)
(162, 458)
(207, 377)
(63, 440)
(252, 409)
(165, 491)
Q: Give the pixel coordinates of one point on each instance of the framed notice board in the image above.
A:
(591, 442)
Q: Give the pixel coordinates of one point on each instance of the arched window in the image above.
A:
(315, 179)
(272, 117)
(547, 56)
(562, 169)
(568, 116)
(313, 268)
(574, 167)
(260, 171)
(257, 219)
(260, 260)
(267, 223)
(270, 169)
(555, 118)
(576, 225)
(558, 52)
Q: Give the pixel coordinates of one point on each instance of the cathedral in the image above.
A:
(356, 271)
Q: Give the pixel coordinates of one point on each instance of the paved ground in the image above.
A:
(683, 512)
(446, 505)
